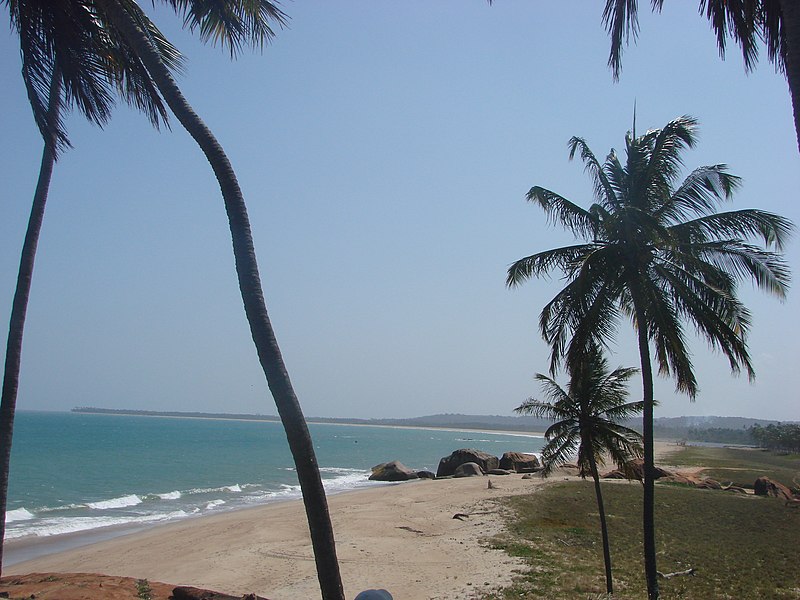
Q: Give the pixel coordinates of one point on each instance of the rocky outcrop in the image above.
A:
(426, 475)
(499, 472)
(392, 471)
(519, 462)
(449, 464)
(635, 470)
(764, 486)
(469, 469)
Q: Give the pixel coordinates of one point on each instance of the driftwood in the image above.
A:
(462, 516)
(676, 573)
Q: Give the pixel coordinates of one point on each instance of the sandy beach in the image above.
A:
(400, 537)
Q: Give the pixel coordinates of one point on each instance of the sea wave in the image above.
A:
(121, 502)
(19, 514)
(170, 495)
(62, 525)
(215, 490)
(214, 504)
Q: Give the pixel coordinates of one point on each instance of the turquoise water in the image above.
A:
(82, 473)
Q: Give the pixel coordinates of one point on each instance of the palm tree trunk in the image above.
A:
(269, 354)
(19, 308)
(648, 512)
(791, 26)
(603, 526)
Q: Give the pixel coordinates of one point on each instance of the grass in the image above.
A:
(740, 465)
(143, 590)
(740, 546)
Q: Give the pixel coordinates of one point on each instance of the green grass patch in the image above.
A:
(740, 465)
(143, 590)
(740, 546)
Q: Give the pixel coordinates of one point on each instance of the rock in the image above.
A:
(469, 469)
(528, 476)
(519, 462)
(392, 471)
(635, 470)
(498, 472)
(426, 475)
(569, 469)
(449, 464)
(680, 479)
(764, 486)
(709, 484)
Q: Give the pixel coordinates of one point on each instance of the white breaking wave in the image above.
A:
(121, 502)
(56, 526)
(232, 488)
(214, 504)
(170, 495)
(18, 514)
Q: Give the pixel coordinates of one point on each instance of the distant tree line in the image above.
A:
(785, 438)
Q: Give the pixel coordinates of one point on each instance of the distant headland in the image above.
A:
(731, 430)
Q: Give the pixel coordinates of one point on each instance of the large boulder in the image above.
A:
(764, 486)
(519, 462)
(426, 475)
(449, 464)
(469, 469)
(392, 471)
(634, 469)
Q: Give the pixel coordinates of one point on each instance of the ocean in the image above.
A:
(74, 473)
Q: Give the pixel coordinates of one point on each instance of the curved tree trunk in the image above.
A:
(19, 308)
(603, 525)
(269, 354)
(791, 25)
(648, 512)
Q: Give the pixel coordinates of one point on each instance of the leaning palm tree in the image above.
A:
(654, 251)
(587, 416)
(232, 23)
(81, 66)
(776, 23)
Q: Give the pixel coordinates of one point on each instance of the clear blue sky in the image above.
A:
(384, 150)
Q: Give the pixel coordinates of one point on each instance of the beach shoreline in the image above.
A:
(400, 537)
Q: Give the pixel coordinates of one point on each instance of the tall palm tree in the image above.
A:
(587, 416)
(776, 23)
(232, 23)
(654, 251)
(79, 66)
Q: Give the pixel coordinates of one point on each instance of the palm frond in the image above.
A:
(542, 263)
(700, 193)
(233, 23)
(621, 21)
(580, 222)
(740, 224)
(603, 190)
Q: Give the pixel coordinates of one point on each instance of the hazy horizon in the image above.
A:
(384, 151)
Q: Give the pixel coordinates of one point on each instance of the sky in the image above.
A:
(384, 150)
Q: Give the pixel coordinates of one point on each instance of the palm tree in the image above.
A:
(232, 23)
(776, 23)
(587, 417)
(79, 68)
(655, 252)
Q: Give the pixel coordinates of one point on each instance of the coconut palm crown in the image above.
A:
(93, 62)
(587, 417)
(657, 246)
